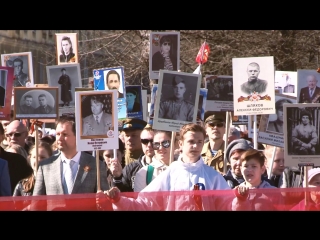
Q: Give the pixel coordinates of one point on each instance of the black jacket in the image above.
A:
(19, 168)
(126, 181)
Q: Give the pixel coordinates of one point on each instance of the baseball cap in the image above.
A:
(217, 117)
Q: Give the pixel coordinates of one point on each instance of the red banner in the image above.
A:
(284, 199)
(203, 54)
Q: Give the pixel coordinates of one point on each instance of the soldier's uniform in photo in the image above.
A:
(176, 109)
(214, 160)
(129, 125)
(44, 110)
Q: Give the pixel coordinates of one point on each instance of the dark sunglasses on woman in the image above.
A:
(165, 144)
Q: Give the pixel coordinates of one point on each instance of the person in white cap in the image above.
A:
(313, 197)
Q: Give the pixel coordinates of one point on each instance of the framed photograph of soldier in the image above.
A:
(256, 93)
(67, 78)
(301, 133)
(286, 82)
(220, 93)
(67, 48)
(36, 103)
(97, 120)
(271, 125)
(134, 101)
(164, 53)
(152, 103)
(22, 68)
(177, 100)
(6, 89)
(109, 79)
(308, 86)
(202, 104)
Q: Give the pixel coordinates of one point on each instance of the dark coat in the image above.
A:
(2, 96)
(158, 61)
(305, 97)
(19, 168)
(65, 83)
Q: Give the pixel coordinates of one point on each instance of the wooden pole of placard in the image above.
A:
(225, 162)
(96, 154)
(173, 137)
(272, 161)
(36, 142)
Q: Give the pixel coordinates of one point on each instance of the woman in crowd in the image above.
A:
(25, 186)
(160, 161)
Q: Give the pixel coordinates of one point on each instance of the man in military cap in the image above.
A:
(304, 135)
(213, 151)
(277, 125)
(177, 108)
(132, 128)
(99, 122)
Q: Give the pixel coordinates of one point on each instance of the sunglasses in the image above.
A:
(146, 141)
(165, 144)
(166, 44)
(14, 134)
(216, 124)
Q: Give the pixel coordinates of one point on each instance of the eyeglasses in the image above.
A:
(166, 44)
(165, 144)
(14, 134)
(146, 141)
(216, 124)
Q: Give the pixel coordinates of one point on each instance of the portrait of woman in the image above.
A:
(67, 55)
(166, 57)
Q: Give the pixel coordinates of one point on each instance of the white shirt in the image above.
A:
(179, 176)
(75, 166)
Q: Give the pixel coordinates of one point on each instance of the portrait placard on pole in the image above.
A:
(301, 133)
(177, 100)
(97, 120)
(256, 94)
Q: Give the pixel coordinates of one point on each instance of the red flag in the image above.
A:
(203, 54)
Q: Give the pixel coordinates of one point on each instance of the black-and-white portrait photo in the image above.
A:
(177, 99)
(3, 85)
(254, 83)
(67, 48)
(275, 123)
(308, 86)
(179, 105)
(96, 110)
(67, 78)
(36, 103)
(303, 131)
(23, 68)
(164, 52)
(220, 89)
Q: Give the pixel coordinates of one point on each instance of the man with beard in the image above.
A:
(254, 84)
(213, 150)
(113, 81)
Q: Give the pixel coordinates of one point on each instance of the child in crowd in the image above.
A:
(252, 167)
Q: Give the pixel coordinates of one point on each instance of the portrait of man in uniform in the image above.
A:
(99, 121)
(254, 84)
(177, 107)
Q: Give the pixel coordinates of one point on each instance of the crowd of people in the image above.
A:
(148, 160)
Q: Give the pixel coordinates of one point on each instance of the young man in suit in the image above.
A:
(311, 93)
(99, 122)
(51, 178)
